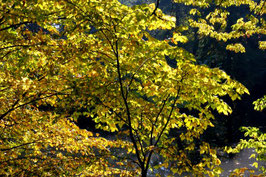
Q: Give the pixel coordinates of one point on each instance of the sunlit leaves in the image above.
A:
(260, 103)
(179, 38)
(37, 69)
(218, 16)
(102, 63)
(215, 23)
(199, 3)
(236, 48)
(256, 140)
(262, 45)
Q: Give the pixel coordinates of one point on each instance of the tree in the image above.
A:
(256, 140)
(214, 29)
(106, 61)
(35, 138)
(212, 19)
(233, 24)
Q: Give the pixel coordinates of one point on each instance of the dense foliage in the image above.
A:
(60, 59)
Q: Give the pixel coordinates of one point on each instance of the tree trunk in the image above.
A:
(143, 173)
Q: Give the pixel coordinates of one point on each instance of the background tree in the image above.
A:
(214, 26)
(256, 141)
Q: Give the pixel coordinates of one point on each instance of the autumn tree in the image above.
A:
(35, 138)
(106, 61)
(212, 20)
(255, 140)
(233, 24)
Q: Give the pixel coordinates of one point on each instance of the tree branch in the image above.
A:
(14, 25)
(14, 147)
(14, 107)
(11, 109)
(156, 119)
(126, 104)
(156, 7)
(168, 120)
(115, 50)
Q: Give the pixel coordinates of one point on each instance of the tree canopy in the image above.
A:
(58, 57)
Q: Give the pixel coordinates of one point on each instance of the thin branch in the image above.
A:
(14, 25)
(263, 5)
(126, 104)
(38, 44)
(8, 53)
(156, 7)
(7, 149)
(75, 5)
(220, 3)
(166, 124)
(132, 78)
(37, 99)
(156, 119)
(12, 46)
(170, 114)
(14, 107)
(119, 116)
(115, 50)
(2, 20)
(103, 54)
(4, 89)
(10, 110)
(141, 146)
